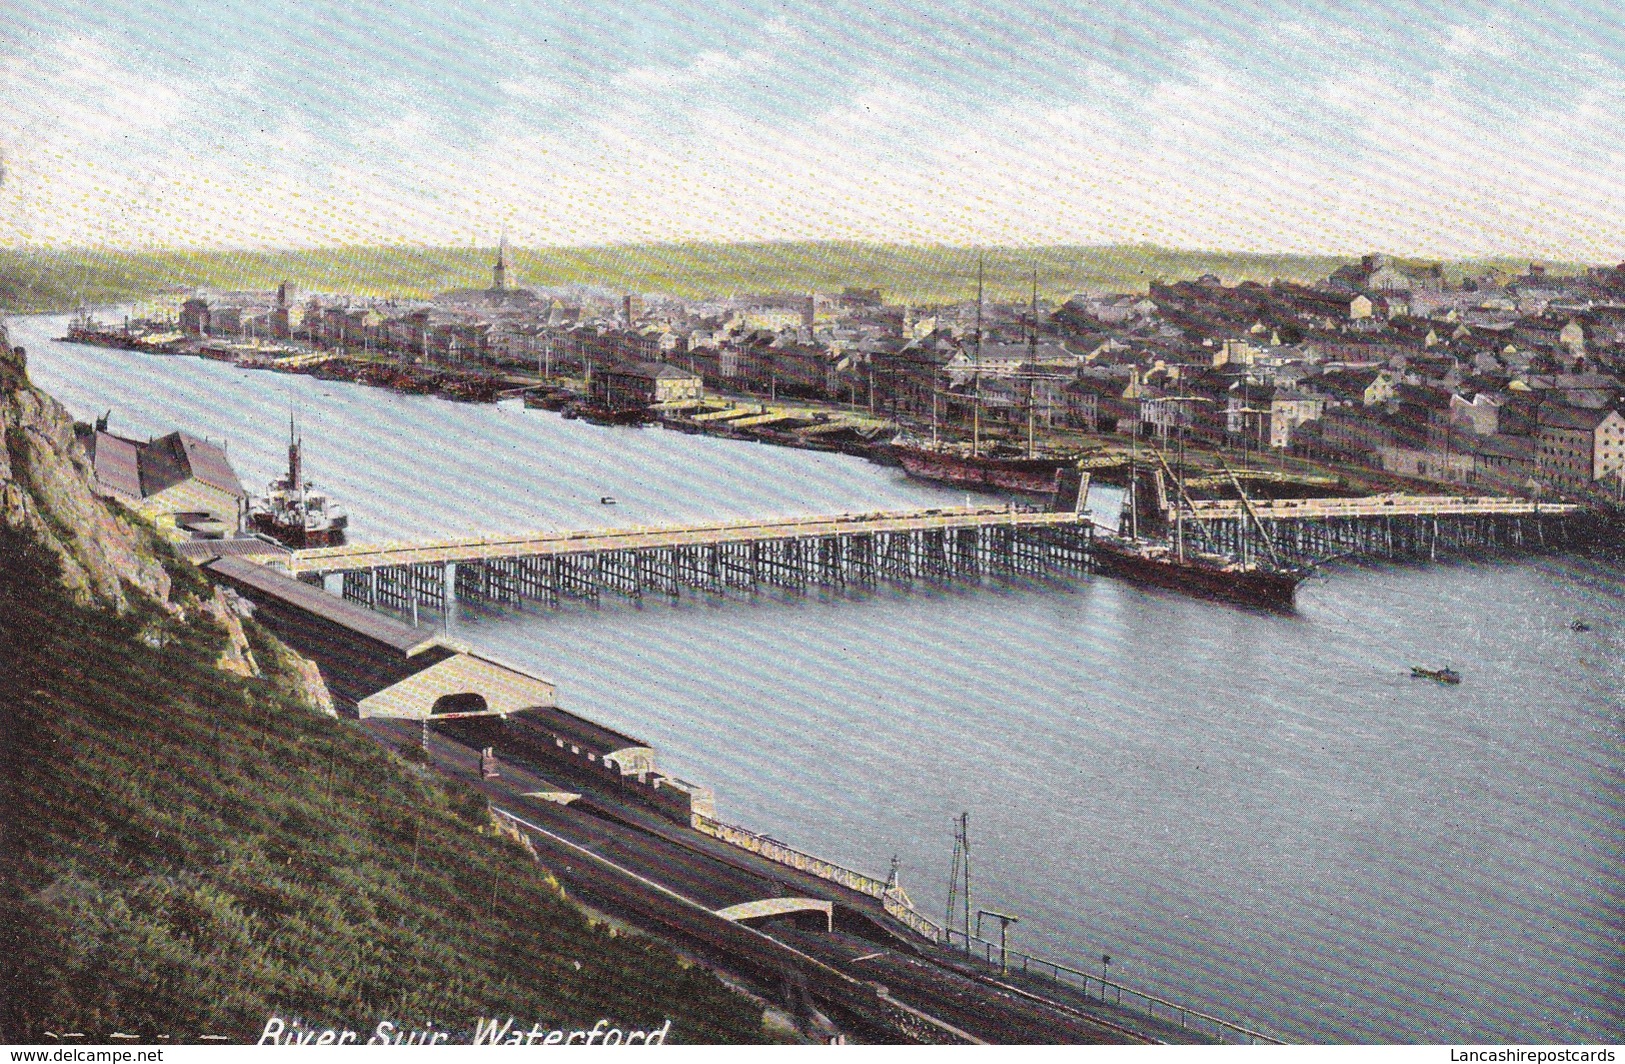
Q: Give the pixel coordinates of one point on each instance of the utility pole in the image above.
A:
(959, 879)
(964, 836)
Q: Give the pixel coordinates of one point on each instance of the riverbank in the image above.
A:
(829, 427)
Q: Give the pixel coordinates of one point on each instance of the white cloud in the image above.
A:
(1216, 157)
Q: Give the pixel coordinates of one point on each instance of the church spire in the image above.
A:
(499, 272)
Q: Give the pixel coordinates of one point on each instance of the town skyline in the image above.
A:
(1489, 130)
(1506, 383)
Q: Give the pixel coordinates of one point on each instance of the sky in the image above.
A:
(1445, 129)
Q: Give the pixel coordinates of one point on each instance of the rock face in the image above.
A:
(46, 489)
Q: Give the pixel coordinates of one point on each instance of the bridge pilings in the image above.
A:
(1391, 537)
(790, 563)
(864, 557)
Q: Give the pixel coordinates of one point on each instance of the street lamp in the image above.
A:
(1105, 961)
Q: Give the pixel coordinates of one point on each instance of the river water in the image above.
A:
(1256, 814)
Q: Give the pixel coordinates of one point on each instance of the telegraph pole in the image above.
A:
(959, 879)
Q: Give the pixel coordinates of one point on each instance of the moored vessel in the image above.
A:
(599, 414)
(1033, 476)
(1199, 574)
(1249, 580)
(972, 466)
(1446, 675)
(292, 512)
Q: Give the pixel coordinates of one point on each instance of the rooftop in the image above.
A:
(319, 603)
(139, 470)
(573, 729)
(652, 371)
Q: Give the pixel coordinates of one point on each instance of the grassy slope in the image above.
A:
(187, 852)
(40, 280)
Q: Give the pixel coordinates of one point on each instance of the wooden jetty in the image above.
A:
(862, 550)
(1383, 526)
(792, 553)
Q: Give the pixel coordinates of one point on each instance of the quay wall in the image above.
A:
(890, 895)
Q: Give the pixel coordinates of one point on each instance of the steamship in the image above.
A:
(292, 512)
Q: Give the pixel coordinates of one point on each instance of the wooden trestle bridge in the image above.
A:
(793, 553)
(865, 549)
(1383, 526)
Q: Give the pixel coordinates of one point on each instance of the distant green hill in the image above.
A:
(57, 279)
(917, 274)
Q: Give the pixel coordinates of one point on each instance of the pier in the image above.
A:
(1381, 526)
(793, 553)
(863, 550)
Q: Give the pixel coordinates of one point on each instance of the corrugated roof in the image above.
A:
(319, 603)
(202, 550)
(1563, 416)
(145, 469)
(117, 463)
(652, 371)
(163, 464)
(208, 463)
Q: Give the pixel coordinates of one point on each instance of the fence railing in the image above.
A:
(1107, 991)
(897, 904)
(784, 854)
(1386, 506)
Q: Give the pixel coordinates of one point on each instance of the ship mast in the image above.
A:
(1134, 481)
(1179, 511)
(1179, 517)
(1184, 497)
(1247, 505)
(1032, 363)
(296, 474)
(976, 373)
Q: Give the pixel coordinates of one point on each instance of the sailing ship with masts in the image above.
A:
(1190, 559)
(976, 466)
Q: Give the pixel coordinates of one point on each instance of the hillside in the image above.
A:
(190, 849)
(35, 280)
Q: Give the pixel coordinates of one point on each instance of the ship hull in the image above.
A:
(1264, 588)
(604, 415)
(1032, 476)
(295, 535)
